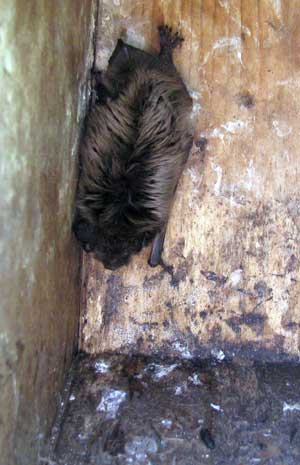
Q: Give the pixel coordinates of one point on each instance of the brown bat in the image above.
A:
(137, 140)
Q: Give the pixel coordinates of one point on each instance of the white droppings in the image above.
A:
(281, 128)
(218, 354)
(167, 423)
(183, 350)
(216, 407)
(195, 379)
(291, 407)
(111, 402)
(178, 390)
(218, 171)
(160, 371)
(194, 94)
(235, 278)
(72, 397)
(101, 367)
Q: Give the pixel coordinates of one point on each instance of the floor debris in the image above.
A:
(143, 411)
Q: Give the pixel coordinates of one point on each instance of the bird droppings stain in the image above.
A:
(131, 415)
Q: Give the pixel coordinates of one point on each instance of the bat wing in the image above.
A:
(157, 248)
(125, 55)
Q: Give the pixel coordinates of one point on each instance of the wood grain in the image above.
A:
(233, 238)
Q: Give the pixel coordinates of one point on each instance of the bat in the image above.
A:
(137, 138)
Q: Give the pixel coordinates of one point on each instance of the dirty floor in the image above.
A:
(140, 411)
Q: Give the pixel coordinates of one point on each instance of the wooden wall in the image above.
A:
(233, 238)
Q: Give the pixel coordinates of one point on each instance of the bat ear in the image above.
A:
(85, 233)
(157, 248)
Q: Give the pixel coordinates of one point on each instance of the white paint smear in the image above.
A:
(227, 130)
(276, 4)
(231, 44)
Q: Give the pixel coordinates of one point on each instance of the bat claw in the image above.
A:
(168, 39)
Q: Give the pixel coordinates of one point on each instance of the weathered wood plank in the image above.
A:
(234, 234)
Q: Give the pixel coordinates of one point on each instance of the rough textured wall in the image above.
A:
(45, 50)
(233, 239)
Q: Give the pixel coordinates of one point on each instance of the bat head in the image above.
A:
(111, 247)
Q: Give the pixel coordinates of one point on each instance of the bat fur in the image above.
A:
(136, 142)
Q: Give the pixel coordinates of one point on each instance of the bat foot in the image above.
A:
(168, 39)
